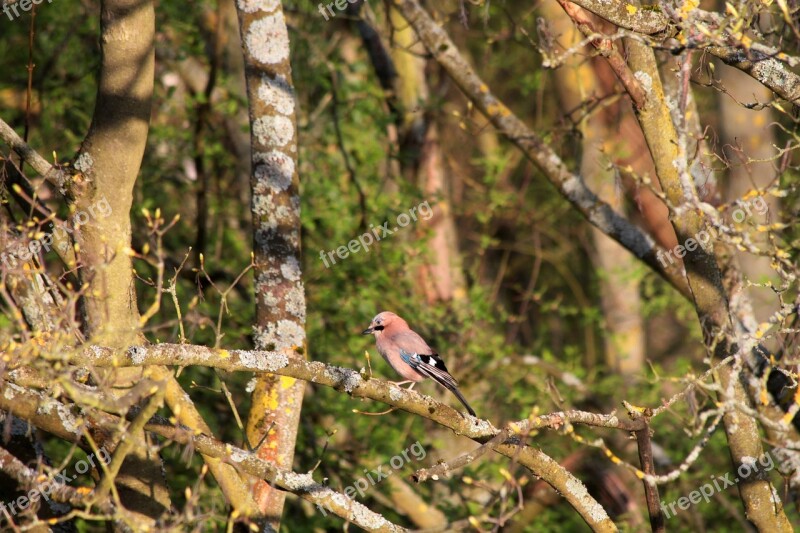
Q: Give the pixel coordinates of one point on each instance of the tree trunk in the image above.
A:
(275, 205)
(108, 164)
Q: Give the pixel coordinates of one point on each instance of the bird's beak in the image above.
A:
(367, 331)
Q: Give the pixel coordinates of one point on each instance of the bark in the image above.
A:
(275, 207)
(109, 161)
(108, 164)
(669, 151)
(357, 385)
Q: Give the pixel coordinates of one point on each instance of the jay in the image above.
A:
(409, 354)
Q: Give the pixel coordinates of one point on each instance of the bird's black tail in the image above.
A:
(457, 392)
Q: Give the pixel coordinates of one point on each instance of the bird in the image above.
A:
(409, 354)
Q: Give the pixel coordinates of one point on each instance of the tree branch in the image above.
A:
(608, 49)
(650, 489)
(26, 404)
(233, 487)
(755, 59)
(51, 173)
(690, 218)
(358, 386)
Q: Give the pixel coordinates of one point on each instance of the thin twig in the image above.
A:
(650, 489)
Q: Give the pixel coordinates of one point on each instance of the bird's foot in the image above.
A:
(399, 383)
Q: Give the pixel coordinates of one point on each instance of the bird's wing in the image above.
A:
(422, 358)
(430, 365)
(416, 353)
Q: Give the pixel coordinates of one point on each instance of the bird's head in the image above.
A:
(381, 321)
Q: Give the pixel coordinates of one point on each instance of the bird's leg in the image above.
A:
(398, 383)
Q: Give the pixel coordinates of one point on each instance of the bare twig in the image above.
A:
(650, 489)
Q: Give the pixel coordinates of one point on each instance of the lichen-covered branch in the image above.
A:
(30, 479)
(649, 21)
(31, 156)
(303, 485)
(772, 73)
(65, 422)
(359, 386)
(59, 420)
(354, 383)
(690, 218)
(757, 60)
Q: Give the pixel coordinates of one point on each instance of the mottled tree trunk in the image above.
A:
(275, 205)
